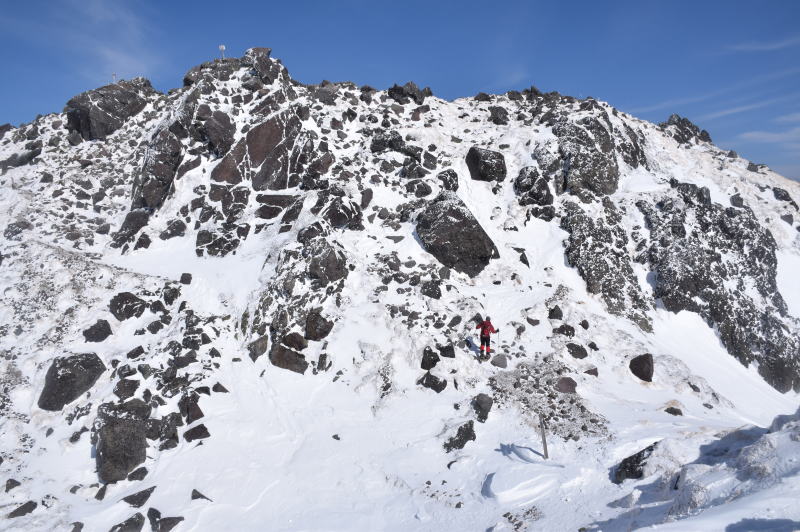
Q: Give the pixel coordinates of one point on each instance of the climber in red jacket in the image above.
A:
(487, 329)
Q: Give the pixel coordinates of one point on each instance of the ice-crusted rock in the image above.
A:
(587, 164)
(121, 438)
(486, 165)
(464, 434)
(449, 232)
(712, 260)
(632, 467)
(126, 305)
(596, 246)
(97, 113)
(165, 153)
(68, 378)
(134, 221)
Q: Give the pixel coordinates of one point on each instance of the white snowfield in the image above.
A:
(334, 450)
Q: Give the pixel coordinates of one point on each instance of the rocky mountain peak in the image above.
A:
(248, 275)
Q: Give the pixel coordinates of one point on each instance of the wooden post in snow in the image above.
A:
(544, 439)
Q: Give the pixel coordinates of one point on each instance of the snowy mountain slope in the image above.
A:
(318, 368)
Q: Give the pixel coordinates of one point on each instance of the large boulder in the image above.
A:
(286, 358)
(121, 438)
(97, 113)
(97, 332)
(642, 367)
(449, 232)
(317, 327)
(68, 378)
(125, 305)
(482, 404)
(486, 165)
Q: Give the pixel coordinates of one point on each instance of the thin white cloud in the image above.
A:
(102, 38)
(791, 117)
(766, 46)
(751, 81)
(790, 136)
(742, 108)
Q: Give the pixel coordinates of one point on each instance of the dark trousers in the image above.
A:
(485, 343)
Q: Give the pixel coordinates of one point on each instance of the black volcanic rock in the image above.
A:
(566, 385)
(317, 327)
(126, 305)
(683, 130)
(596, 248)
(482, 404)
(121, 439)
(97, 332)
(23, 509)
(632, 467)
(465, 433)
(498, 115)
(577, 350)
(449, 179)
(429, 359)
(409, 92)
(588, 164)
(97, 113)
(704, 255)
(218, 131)
(68, 378)
(285, 358)
(532, 188)
(133, 524)
(486, 165)
(165, 155)
(642, 367)
(138, 499)
(328, 264)
(432, 382)
(449, 232)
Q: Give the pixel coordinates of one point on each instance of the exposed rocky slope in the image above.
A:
(178, 266)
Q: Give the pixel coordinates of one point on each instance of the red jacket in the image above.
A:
(486, 328)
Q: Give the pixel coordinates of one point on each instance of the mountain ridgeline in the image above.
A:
(310, 202)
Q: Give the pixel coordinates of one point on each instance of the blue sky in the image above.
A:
(732, 67)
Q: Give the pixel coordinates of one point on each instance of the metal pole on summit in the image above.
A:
(222, 50)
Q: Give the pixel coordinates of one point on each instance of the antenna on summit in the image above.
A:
(222, 50)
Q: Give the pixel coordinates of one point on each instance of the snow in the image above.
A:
(788, 281)
(273, 463)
